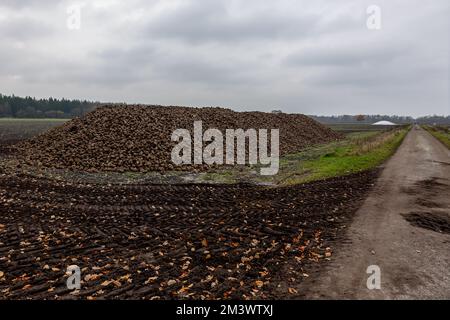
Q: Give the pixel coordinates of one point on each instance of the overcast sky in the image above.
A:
(313, 57)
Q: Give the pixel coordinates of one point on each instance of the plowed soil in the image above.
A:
(166, 241)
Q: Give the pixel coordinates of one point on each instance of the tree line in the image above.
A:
(30, 107)
(369, 119)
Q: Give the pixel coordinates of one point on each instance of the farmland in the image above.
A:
(357, 152)
(355, 127)
(14, 130)
(205, 235)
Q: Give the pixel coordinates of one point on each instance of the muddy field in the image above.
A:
(148, 241)
(153, 241)
(13, 131)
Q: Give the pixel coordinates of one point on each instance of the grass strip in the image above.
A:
(441, 133)
(358, 153)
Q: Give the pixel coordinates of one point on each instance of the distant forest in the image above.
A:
(375, 118)
(28, 107)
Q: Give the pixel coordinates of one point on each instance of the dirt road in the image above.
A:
(403, 227)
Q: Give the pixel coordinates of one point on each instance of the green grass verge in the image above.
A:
(357, 152)
(440, 133)
(354, 156)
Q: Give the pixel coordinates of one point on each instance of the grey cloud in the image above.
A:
(196, 70)
(353, 54)
(24, 28)
(212, 21)
(134, 56)
(28, 3)
(299, 56)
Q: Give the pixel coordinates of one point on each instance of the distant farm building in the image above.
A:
(384, 123)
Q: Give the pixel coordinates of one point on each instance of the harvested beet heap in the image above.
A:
(138, 138)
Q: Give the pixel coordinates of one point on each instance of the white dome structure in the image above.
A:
(384, 123)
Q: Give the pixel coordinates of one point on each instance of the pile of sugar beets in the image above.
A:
(137, 138)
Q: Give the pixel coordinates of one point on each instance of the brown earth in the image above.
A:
(138, 138)
(202, 241)
(166, 241)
